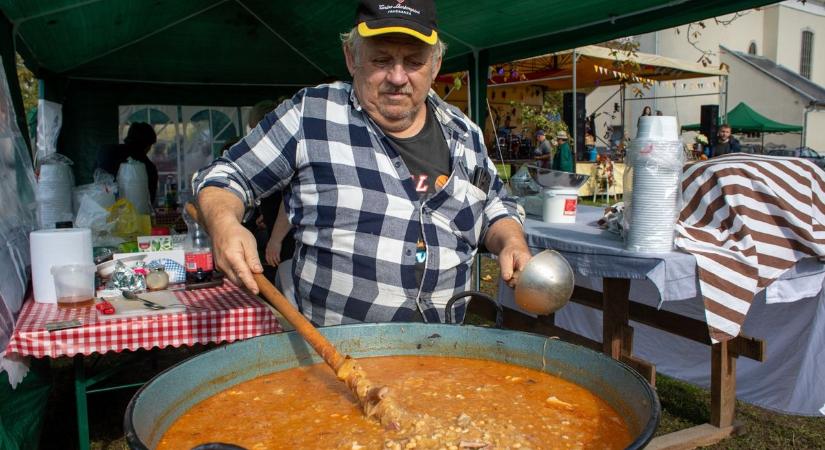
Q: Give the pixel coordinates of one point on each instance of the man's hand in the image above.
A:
(236, 253)
(512, 260)
(506, 239)
(235, 248)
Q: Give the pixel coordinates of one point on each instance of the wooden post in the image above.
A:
(722, 385)
(615, 316)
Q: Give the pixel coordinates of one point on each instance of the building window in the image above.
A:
(752, 48)
(807, 52)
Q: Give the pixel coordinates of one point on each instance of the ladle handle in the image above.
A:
(303, 326)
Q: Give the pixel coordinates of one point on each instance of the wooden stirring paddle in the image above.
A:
(374, 400)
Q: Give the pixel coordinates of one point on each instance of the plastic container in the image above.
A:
(74, 285)
(560, 205)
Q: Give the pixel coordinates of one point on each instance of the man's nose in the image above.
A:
(397, 76)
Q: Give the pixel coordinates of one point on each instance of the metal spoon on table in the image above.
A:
(129, 295)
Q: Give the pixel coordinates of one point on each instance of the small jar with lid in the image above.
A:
(157, 279)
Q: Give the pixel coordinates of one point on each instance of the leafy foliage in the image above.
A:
(545, 118)
(28, 85)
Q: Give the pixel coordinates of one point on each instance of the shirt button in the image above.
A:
(397, 164)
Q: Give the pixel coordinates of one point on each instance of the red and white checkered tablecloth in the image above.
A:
(233, 314)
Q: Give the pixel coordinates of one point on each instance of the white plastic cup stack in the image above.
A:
(54, 194)
(656, 159)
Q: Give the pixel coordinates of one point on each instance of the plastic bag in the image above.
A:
(133, 185)
(93, 215)
(523, 184)
(102, 191)
(128, 224)
(49, 122)
(54, 191)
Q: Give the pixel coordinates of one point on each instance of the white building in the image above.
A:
(776, 58)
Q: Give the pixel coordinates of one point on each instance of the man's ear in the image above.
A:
(350, 59)
(436, 66)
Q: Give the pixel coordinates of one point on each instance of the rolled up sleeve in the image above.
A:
(261, 163)
(500, 204)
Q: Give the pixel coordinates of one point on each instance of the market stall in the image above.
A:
(95, 57)
(523, 82)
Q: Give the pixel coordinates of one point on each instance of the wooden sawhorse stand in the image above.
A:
(617, 311)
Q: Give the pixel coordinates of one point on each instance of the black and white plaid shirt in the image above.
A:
(357, 214)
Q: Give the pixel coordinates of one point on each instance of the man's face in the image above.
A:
(391, 78)
(541, 137)
(724, 134)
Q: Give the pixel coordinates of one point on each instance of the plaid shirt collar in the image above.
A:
(441, 108)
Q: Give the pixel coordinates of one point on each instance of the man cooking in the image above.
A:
(388, 187)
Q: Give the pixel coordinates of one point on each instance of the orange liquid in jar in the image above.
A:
(80, 301)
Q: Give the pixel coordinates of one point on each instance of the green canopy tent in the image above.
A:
(94, 55)
(744, 119)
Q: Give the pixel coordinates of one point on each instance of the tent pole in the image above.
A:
(575, 135)
(727, 88)
(623, 112)
(495, 136)
(802, 137)
(478, 86)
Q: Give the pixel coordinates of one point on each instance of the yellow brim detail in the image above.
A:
(365, 31)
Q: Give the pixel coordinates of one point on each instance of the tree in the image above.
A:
(545, 118)
(28, 86)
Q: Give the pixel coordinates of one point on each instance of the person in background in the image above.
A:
(543, 151)
(563, 159)
(138, 142)
(506, 129)
(659, 112)
(647, 111)
(273, 220)
(726, 142)
(390, 188)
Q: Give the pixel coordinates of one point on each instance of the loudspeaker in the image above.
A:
(709, 124)
(567, 115)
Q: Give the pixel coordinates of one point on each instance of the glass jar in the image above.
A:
(157, 279)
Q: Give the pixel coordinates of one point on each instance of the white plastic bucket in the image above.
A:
(560, 205)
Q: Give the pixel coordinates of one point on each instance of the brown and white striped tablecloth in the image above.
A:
(747, 219)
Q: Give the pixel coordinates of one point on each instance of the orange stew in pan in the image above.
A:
(461, 403)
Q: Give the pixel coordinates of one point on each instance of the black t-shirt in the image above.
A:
(721, 148)
(427, 157)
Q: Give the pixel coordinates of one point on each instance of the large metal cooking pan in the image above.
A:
(170, 394)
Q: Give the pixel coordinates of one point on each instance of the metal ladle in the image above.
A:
(545, 284)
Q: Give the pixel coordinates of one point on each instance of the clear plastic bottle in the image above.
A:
(198, 252)
(171, 192)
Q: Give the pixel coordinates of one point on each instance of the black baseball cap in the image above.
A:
(416, 18)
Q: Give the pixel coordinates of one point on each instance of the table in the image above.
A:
(664, 307)
(231, 314)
